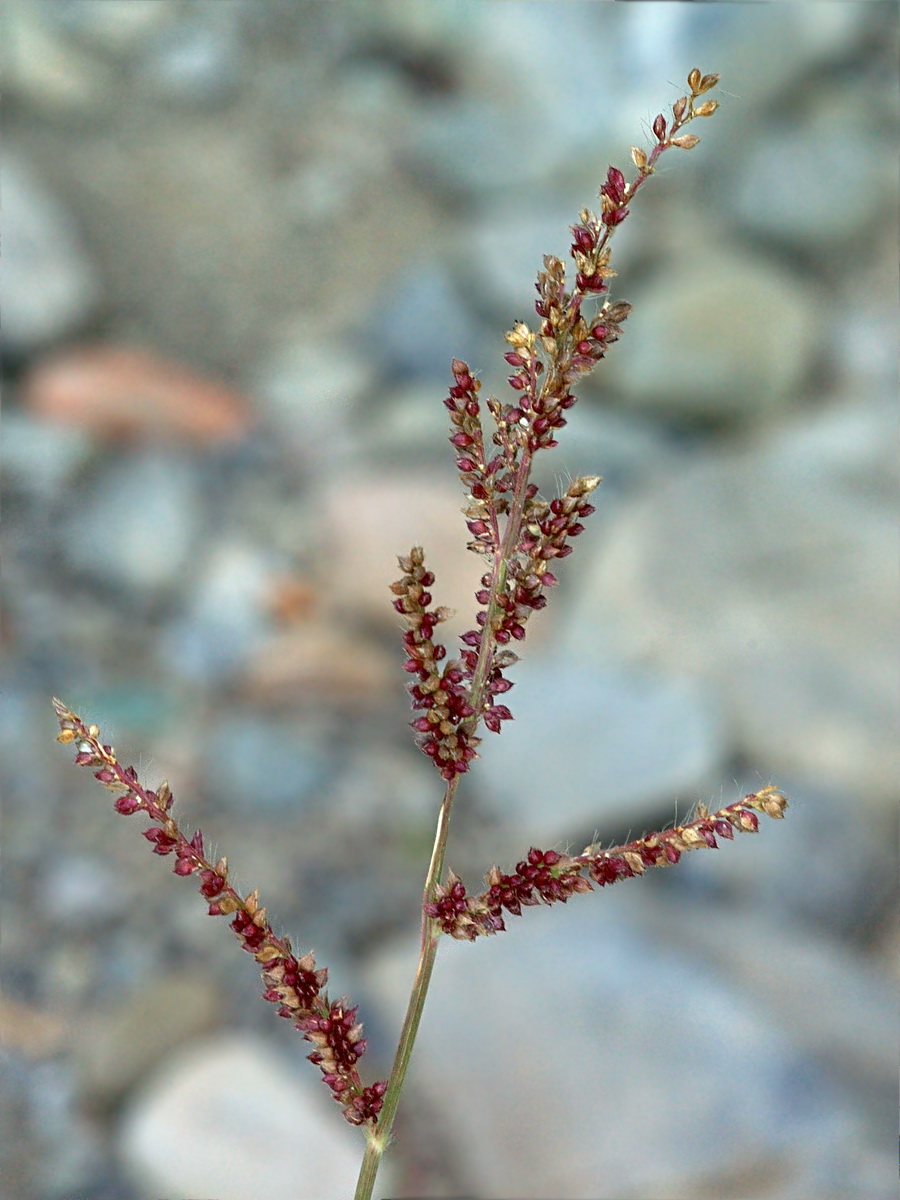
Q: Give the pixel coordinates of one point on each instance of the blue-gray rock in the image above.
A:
(194, 61)
(136, 525)
(717, 334)
(625, 1052)
(591, 745)
(40, 457)
(225, 618)
(768, 571)
(257, 764)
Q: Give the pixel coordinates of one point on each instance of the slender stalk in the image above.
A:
(379, 1138)
(498, 588)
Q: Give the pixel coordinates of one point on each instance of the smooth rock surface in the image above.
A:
(768, 572)
(594, 745)
(229, 1119)
(50, 284)
(579, 1047)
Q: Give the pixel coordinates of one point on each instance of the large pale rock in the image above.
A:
(589, 746)
(582, 1054)
(719, 334)
(370, 521)
(769, 571)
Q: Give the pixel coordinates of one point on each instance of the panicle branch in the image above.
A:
(295, 984)
(517, 533)
(547, 876)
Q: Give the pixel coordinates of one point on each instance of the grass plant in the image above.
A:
(521, 538)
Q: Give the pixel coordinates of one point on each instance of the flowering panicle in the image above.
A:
(518, 533)
(296, 985)
(520, 537)
(440, 692)
(546, 876)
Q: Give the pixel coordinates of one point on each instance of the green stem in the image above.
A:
(379, 1137)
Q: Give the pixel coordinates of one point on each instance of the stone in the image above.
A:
(590, 746)
(224, 621)
(193, 63)
(137, 523)
(228, 1118)
(41, 458)
(310, 392)
(625, 1053)
(319, 663)
(718, 335)
(44, 69)
(113, 1048)
(835, 136)
(115, 392)
(767, 570)
(370, 520)
(260, 766)
(423, 322)
(829, 868)
(50, 285)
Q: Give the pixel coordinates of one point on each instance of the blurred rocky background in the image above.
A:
(242, 241)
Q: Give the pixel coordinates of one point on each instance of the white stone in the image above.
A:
(227, 1119)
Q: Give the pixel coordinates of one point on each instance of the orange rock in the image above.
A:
(321, 662)
(34, 1033)
(292, 600)
(119, 393)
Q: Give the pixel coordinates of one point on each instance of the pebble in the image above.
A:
(42, 458)
(506, 269)
(824, 866)
(68, 1148)
(370, 520)
(310, 392)
(424, 322)
(115, 27)
(258, 765)
(81, 889)
(45, 71)
(786, 969)
(317, 664)
(236, 1120)
(794, 168)
(193, 63)
(738, 345)
(51, 286)
(116, 393)
(113, 1055)
(137, 525)
(596, 745)
(224, 621)
(765, 571)
(587, 1024)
